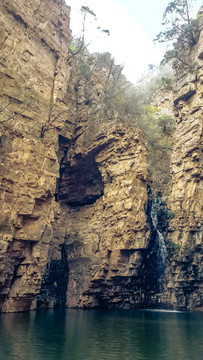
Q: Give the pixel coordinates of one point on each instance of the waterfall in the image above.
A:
(162, 254)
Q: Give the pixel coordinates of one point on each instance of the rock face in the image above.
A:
(106, 227)
(180, 217)
(77, 225)
(185, 201)
(159, 157)
(34, 74)
(100, 177)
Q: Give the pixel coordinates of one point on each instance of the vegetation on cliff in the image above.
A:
(133, 104)
(180, 30)
(93, 227)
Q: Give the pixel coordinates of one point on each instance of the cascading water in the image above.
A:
(152, 277)
(162, 254)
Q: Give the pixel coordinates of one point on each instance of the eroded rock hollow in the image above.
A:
(79, 224)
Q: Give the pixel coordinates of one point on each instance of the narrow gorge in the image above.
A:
(83, 222)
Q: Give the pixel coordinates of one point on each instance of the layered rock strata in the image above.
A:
(185, 231)
(54, 147)
(103, 196)
(180, 213)
(34, 74)
(77, 225)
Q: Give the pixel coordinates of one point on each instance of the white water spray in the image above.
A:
(162, 253)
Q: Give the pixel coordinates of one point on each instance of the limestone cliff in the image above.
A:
(180, 211)
(56, 147)
(34, 74)
(77, 225)
(180, 214)
(185, 201)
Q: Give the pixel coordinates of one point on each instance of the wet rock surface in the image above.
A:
(78, 224)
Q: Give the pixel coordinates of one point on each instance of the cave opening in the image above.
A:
(79, 184)
(54, 283)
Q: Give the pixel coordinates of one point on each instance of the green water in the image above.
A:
(99, 335)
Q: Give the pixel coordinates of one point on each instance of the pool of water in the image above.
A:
(101, 335)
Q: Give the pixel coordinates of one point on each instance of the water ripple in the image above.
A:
(101, 335)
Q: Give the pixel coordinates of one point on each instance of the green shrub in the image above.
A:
(173, 249)
(176, 248)
(170, 214)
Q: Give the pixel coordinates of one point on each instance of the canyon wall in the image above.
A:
(186, 196)
(34, 75)
(180, 212)
(73, 180)
(78, 224)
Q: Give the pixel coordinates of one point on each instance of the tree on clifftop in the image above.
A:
(78, 43)
(180, 28)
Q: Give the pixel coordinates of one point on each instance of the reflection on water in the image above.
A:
(98, 335)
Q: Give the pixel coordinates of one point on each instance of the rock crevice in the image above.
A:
(75, 224)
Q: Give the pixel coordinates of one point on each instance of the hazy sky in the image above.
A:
(133, 25)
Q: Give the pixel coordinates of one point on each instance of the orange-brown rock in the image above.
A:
(187, 187)
(76, 221)
(34, 74)
(99, 221)
(103, 195)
